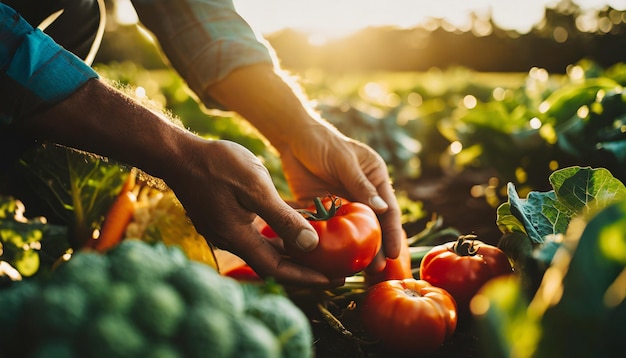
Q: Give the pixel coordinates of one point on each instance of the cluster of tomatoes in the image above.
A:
(423, 310)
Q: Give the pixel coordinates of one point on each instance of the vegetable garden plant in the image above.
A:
(76, 281)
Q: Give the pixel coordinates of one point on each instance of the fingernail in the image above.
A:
(378, 203)
(307, 240)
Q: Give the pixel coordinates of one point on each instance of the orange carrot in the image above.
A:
(117, 218)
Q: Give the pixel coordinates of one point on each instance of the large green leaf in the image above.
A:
(583, 189)
(576, 191)
(541, 213)
(588, 320)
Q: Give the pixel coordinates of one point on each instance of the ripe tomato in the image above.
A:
(243, 273)
(461, 267)
(350, 237)
(395, 269)
(409, 316)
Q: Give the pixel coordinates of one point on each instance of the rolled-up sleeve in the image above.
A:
(204, 40)
(35, 72)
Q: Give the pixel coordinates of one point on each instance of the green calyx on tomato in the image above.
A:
(409, 316)
(321, 213)
(349, 237)
(461, 267)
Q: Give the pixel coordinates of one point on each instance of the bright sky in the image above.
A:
(333, 18)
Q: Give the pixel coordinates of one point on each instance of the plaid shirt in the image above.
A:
(204, 40)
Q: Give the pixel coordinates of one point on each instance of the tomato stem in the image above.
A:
(321, 213)
(464, 245)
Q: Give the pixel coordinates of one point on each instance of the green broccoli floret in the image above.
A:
(118, 298)
(139, 263)
(12, 302)
(111, 336)
(206, 332)
(255, 339)
(162, 350)
(158, 309)
(201, 285)
(87, 269)
(55, 348)
(287, 321)
(146, 300)
(57, 310)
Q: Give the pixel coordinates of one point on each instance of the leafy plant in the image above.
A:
(27, 244)
(548, 123)
(78, 187)
(533, 227)
(579, 307)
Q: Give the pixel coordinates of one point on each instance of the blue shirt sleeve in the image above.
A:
(35, 72)
(204, 40)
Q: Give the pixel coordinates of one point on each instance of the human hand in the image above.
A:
(317, 159)
(223, 187)
(322, 160)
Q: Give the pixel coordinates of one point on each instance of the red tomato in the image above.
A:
(243, 273)
(409, 316)
(461, 267)
(350, 236)
(395, 269)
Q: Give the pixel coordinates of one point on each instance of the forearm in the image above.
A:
(99, 119)
(270, 103)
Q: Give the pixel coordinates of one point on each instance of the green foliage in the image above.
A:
(28, 244)
(77, 187)
(589, 317)
(534, 226)
(549, 122)
(142, 299)
(576, 191)
(577, 307)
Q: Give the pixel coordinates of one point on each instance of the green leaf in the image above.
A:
(77, 186)
(541, 214)
(588, 320)
(577, 191)
(30, 244)
(563, 103)
(27, 262)
(582, 189)
(506, 221)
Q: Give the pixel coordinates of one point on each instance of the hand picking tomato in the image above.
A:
(395, 269)
(409, 316)
(350, 236)
(461, 267)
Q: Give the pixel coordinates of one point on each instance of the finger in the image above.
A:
(267, 262)
(391, 223)
(288, 224)
(362, 189)
(378, 263)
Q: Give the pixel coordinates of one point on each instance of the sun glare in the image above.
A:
(336, 18)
